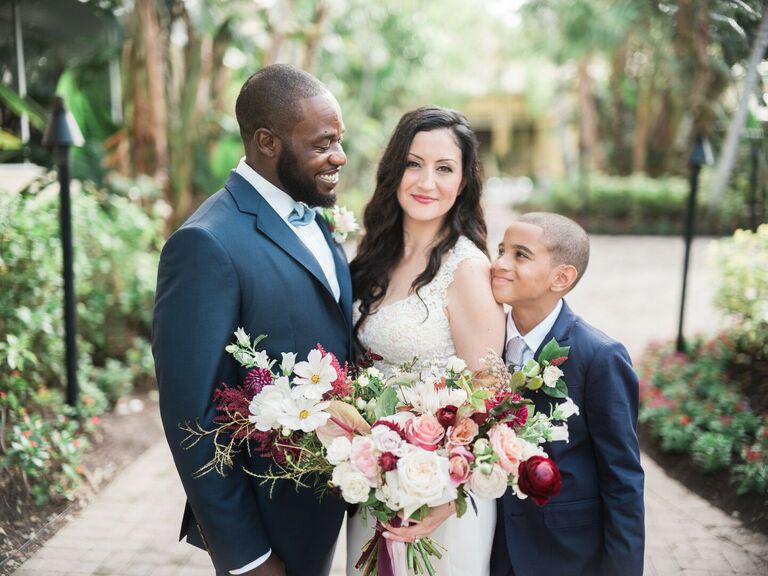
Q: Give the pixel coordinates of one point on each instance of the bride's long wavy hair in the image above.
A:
(381, 247)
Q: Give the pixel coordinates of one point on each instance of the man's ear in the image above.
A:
(266, 143)
(563, 278)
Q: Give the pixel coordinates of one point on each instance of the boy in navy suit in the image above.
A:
(595, 526)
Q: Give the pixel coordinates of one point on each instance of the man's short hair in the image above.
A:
(270, 98)
(567, 242)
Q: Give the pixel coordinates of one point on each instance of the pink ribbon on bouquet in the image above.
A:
(392, 559)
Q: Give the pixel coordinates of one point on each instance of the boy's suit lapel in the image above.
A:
(561, 330)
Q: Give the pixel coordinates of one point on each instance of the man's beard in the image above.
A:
(299, 187)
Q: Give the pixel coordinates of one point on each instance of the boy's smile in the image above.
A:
(522, 271)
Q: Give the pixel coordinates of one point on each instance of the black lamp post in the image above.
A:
(700, 155)
(61, 134)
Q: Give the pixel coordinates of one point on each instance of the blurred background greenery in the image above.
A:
(585, 107)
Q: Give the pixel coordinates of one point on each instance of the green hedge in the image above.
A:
(636, 205)
(116, 250)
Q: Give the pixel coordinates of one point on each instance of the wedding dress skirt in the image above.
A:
(465, 542)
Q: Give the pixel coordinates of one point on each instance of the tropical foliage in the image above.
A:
(42, 439)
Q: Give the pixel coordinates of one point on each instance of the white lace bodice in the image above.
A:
(412, 326)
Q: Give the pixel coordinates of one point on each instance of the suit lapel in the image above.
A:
(269, 223)
(561, 330)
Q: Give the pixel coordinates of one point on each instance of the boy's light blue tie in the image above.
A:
(515, 351)
(301, 215)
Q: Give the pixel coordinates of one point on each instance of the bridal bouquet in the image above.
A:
(395, 445)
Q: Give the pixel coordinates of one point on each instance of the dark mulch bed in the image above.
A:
(119, 440)
(715, 487)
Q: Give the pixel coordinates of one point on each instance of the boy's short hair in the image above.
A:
(567, 242)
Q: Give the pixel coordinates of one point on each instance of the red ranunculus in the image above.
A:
(539, 479)
(388, 461)
(447, 416)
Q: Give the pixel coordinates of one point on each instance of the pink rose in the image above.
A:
(458, 465)
(364, 458)
(507, 447)
(424, 431)
(463, 432)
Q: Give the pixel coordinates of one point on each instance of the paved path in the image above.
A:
(631, 291)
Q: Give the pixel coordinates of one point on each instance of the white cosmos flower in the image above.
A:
(551, 375)
(304, 414)
(313, 377)
(289, 361)
(270, 404)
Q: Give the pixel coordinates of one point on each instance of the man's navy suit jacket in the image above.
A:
(236, 263)
(595, 526)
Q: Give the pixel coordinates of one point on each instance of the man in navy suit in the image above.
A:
(254, 256)
(595, 526)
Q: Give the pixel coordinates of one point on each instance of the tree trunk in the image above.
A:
(314, 35)
(588, 133)
(620, 157)
(645, 92)
(730, 147)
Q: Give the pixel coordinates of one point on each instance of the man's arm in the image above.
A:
(196, 312)
(611, 405)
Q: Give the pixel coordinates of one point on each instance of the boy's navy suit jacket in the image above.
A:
(595, 526)
(236, 263)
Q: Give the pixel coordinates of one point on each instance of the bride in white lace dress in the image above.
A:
(422, 287)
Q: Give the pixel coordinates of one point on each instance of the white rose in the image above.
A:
(551, 375)
(363, 381)
(338, 450)
(489, 486)
(455, 364)
(424, 478)
(354, 486)
(386, 440)
(558, 433)
(289, 360)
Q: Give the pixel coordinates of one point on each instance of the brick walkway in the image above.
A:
(631, 290)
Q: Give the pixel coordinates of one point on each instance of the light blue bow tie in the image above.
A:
(301, 215)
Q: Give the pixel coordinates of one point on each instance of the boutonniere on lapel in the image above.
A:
(341, 222)
(544, 373)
